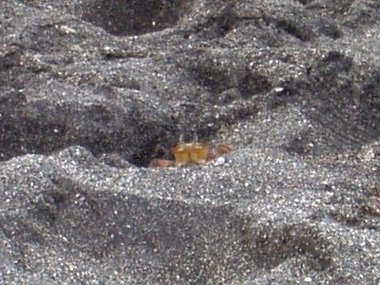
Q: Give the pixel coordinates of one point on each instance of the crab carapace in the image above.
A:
(192, 153)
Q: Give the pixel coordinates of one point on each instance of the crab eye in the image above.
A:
(199, 152)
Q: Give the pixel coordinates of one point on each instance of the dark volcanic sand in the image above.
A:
(92, 91)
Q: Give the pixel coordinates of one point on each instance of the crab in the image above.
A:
(186, 154)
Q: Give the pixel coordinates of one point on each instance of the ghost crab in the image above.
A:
(192, 153)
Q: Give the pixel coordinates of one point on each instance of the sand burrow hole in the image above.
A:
(133, 17)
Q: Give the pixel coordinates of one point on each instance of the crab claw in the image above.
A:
(181, 154)
(219, 150)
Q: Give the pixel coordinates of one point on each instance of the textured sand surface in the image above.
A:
(92, 91)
